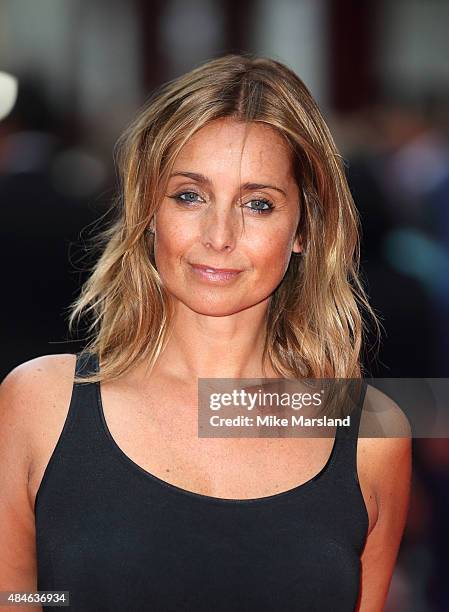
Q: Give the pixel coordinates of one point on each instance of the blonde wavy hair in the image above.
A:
(315, 321)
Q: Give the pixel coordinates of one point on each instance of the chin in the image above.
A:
(214, 310)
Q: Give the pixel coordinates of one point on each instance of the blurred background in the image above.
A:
(380, 73)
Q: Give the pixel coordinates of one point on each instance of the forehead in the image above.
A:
(226, 143)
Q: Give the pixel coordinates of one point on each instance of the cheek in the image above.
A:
(271, 258)
(169, 248)
(167, 259)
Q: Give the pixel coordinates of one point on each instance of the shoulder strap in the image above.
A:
(80, 431)
(357, 397)
(86, 363)
(84, 403)
(350, 434)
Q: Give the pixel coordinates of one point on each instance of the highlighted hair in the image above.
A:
(315, 323)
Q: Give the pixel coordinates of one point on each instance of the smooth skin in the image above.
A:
(217, 332)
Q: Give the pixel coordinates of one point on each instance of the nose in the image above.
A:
(220, 229)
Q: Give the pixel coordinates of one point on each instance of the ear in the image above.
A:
(297, 245)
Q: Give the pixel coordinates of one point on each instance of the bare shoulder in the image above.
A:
(382, 416)
(33, 405)
(39, 368)
(35, 383)
(33, 397)
(385, 442)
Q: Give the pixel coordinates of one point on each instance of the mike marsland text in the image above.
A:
(275, 421)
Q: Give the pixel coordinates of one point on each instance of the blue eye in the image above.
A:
(192, 194)
(189, 193)
(262, 211)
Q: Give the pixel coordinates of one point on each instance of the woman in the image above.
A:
(234, 254)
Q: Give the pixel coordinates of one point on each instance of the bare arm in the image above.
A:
(29, 396)
(390, 474)
(17, 531)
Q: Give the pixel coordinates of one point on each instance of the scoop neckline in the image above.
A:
(225, 501)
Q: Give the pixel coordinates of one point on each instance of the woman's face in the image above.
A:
(216, 178)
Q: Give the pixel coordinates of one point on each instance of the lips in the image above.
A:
(216, 270)
(214, 275)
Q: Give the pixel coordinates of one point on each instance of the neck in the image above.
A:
(203, 346)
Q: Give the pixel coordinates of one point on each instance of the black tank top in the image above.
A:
(120, 539)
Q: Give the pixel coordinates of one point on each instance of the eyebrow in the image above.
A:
(200, 178)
